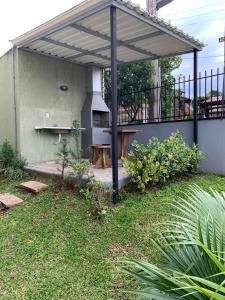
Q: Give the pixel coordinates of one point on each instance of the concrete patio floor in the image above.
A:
(52, 169)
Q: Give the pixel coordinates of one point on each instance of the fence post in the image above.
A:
(113, 25)
(195, 91)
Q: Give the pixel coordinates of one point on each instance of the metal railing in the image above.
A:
(172, 100)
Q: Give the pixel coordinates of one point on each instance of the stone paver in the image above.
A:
(9, 200)
(33, 186)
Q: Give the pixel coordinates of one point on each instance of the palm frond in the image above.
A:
(192, 250)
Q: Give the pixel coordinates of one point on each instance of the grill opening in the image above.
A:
(100, 119)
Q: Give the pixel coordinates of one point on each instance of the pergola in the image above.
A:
(106, 33)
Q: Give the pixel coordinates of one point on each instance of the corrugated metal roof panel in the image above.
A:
(88, 59)
(86, 38)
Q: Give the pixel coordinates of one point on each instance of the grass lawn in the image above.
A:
(51, 249)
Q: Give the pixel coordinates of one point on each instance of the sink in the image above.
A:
(56, 130)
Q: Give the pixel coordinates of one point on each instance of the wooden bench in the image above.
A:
(100, 156)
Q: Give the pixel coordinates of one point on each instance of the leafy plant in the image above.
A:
(11, 163)
(71, 158)
(157, 161)
(64, 155)
(192, 250)
(80, 168)
(98, 197)
(76, 133)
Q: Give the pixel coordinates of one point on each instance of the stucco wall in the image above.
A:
(211, 140)
(162, 131)
(7, 113)
(212, 143)
(42, 103)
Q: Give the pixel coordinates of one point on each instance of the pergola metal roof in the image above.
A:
(82, 35)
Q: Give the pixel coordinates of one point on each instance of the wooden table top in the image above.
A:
(124, 130)
(101, 146)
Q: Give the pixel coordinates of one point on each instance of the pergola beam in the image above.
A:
(144, 37)
(119, 42)
(133, 40)
(95, 51)
(67, 46)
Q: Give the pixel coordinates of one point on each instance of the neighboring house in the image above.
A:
(212, 107)
(182, 108)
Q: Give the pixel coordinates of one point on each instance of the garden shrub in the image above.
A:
(158, 161)
(80, 168)
(11, 163)
(97, 197)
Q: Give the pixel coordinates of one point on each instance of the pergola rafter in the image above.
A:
(119, 42)
(77, 49)
(127, 43)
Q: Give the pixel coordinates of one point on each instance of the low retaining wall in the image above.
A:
(211, 139)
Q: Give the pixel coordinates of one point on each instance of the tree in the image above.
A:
(134, 83)
(133, 79)
(167, 66)
(168, 92)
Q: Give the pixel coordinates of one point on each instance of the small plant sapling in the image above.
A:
(64, 155)
(76, 133)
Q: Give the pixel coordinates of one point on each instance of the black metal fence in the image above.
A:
(172, 100)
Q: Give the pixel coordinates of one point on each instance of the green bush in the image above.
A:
(11, 163)
(80, 168)
(97, 197)
(157, 161)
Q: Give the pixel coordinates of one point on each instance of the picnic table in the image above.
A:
(100, 157)
(124, 136)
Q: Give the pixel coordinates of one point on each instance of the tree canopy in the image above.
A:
(134, 84)
(136, 77)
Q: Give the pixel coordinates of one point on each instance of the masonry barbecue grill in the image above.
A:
(95, 115)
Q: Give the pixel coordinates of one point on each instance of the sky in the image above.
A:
(205, 19)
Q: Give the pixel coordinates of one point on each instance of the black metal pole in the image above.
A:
(195, 81)
(113, 25)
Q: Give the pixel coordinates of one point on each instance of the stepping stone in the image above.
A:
(8, 200)
(33, 186)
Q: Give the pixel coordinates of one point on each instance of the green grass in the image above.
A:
(50, 247)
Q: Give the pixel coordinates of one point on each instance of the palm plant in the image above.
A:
(192, 265)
